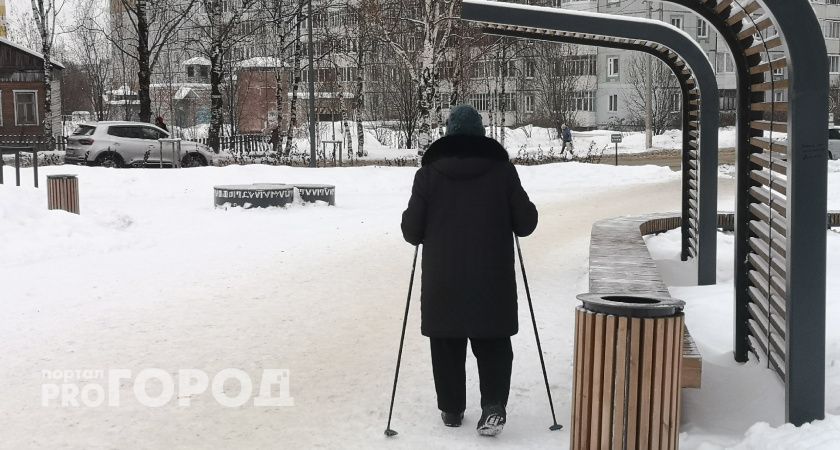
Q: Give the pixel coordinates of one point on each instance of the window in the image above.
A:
(486, 102)
(832, 29)
(529, 103)
(125, 132)
(834, 63)
(26, 108)
(583, 101)
(84, 130)
(614, 103)
(727, 99)
(151, 133)
(612, 67)
(702, 29)
(190, 71)
(204, 71)
(581, 65)
(530, 68)
(677, 21)
(724, 63)
(676, 102)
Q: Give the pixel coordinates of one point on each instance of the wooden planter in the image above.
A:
(63, 193)
(627, 376)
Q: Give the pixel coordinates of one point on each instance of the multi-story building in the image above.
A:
(606, 92)
(520, 81)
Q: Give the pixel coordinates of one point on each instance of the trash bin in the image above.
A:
(628, 355)
(63, 193)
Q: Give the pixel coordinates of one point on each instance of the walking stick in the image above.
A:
(556, 426)
(388, 431)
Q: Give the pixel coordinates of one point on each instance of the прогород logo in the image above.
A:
(153, 387)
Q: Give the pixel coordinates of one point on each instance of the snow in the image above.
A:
(197, 61)
(150, 275)
(738, 397)
(531, 138)
(385, 143)
(263, 61)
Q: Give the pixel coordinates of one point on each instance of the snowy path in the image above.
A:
(318, 291)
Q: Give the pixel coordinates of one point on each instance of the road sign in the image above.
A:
(616, 139)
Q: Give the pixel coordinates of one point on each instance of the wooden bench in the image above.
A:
(619, 262)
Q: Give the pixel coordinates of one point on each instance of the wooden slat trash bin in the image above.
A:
(63, 193)
(627, 372)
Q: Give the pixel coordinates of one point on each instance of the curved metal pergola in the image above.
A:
(700, 218)
(780, 242)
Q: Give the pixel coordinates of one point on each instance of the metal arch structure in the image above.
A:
(690, 112)
(780, 253)
(609, 30)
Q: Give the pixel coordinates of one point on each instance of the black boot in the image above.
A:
(492, 420)
(452, 419)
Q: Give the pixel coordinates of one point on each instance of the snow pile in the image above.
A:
(388, 142)
(151, 275)
(742, 406)
(820, 435)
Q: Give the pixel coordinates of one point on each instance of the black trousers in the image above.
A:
(495, 360)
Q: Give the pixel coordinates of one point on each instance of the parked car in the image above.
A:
(834, 143)
(128, 144)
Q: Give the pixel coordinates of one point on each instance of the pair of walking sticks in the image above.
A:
(389, 431)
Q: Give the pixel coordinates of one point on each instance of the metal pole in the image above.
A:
(616, 153)
(309, 46)
(35, 164)
(649, 91)
(17, 168)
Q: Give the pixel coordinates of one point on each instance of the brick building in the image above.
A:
(22, 91)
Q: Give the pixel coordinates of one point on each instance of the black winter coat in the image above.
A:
(466, 203)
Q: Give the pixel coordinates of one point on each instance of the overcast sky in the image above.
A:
(18, 6)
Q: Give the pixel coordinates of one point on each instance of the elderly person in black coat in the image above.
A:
(465, 206)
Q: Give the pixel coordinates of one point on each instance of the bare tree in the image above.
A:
(145, 27)
(418, 31)
(359, 29)
(403, 101)
(219, 30)
(21, 27)
(665, 104)
(46, 13)
(559, 76)
(283, 21)
(90, 48)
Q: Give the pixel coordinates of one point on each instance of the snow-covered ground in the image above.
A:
(386, 143)
(150, 275)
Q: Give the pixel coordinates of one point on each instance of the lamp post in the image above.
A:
(310, 46)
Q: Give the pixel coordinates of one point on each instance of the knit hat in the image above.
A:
(464, 120)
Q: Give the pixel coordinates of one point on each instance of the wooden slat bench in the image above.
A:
(619, 262)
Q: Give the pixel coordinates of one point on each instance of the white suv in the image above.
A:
(134, 144)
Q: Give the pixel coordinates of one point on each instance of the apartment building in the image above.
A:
(522, 82)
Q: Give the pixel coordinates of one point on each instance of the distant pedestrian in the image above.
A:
(566, 136)
(161, 124)
(465, 206)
